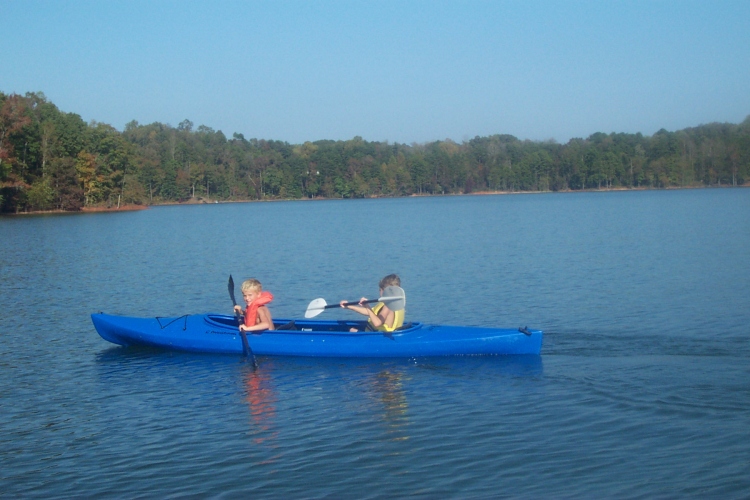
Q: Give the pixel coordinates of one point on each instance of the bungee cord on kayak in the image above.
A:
(184, 326)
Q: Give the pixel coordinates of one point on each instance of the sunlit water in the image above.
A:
(642, 388)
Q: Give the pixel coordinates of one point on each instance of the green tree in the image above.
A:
(86, 169)
(40, 195)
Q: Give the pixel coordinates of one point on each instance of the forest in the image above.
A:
(53, 160)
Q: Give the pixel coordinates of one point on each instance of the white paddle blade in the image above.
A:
(316, 307)
(394, 297)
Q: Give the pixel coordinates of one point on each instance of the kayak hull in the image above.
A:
(218, 333)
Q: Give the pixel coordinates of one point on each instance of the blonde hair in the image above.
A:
(390, 280)
(252, 285)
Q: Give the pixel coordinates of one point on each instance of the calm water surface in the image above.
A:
(642, 388)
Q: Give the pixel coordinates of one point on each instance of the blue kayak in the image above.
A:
(218, 333)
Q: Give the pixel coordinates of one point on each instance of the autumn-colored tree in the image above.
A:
(65, 184)
(13, 119)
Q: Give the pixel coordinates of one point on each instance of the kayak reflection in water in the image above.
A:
(379, 317)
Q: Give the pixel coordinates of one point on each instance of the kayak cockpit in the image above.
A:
(302, 325)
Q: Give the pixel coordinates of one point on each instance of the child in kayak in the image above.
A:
(257, 315)
(380, 317)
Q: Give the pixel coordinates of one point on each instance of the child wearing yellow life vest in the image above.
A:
(257, 315)
(380, 317)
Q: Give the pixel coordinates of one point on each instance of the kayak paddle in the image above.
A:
(245, 344)
(393, 296)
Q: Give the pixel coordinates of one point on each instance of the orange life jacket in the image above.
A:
(251, 313)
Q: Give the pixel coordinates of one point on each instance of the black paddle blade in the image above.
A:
(230, 287)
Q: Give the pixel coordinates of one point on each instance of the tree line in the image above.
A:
(53, 160)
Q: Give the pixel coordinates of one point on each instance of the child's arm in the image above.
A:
(264, 315)
(384, 317)
(363, 310)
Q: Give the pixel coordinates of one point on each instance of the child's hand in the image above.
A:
(238, 309)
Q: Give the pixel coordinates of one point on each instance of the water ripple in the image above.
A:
(641, 389)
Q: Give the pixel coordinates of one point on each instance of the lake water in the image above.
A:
(642, 388)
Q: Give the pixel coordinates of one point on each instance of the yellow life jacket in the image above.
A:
(398, 319)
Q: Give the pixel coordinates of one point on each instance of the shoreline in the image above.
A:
(85, 210)
(200, 201)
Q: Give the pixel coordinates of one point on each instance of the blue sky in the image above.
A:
(402, 71)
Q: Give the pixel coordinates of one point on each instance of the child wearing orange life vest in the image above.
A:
(380, 317)
(257, 315)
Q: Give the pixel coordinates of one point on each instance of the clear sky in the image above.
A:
(402, 71)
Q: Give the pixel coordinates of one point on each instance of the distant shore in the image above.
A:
(202, 201)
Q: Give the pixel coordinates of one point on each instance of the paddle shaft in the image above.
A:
(393, 296)
(246, 349)
(382, 299)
